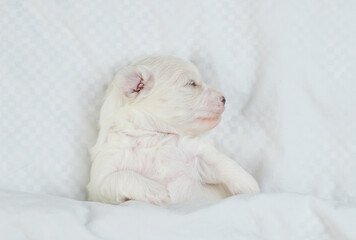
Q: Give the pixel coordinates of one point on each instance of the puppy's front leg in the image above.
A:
(216, 168)
(123, 185)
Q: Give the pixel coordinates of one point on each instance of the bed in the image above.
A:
(286, 68)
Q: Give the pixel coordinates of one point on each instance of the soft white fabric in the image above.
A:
(264, 216)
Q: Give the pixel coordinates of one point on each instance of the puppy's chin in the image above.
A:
(203, 124)
(208, 123)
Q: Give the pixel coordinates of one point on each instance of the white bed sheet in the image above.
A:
(265, 216)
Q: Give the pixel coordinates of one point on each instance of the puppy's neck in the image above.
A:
(137, 123)
(143, 133)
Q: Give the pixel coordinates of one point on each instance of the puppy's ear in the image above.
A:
(134, 80)
(128, 82)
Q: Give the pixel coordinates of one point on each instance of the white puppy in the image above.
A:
(149, 149)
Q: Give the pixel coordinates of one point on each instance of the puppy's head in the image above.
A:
(171, 90)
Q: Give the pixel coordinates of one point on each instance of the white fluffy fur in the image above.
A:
(149, 148)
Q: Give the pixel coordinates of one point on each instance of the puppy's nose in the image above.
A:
(223, 100)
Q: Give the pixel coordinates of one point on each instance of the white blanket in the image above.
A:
(264, 216)
(286, 68)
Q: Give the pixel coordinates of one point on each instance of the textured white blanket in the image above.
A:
(265, 216)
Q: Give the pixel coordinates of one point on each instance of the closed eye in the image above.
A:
(192, 83)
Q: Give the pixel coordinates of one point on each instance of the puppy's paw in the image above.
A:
(245, 185)
(157, 194)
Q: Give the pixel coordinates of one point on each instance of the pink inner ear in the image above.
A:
(135, 81)
(133, 84)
